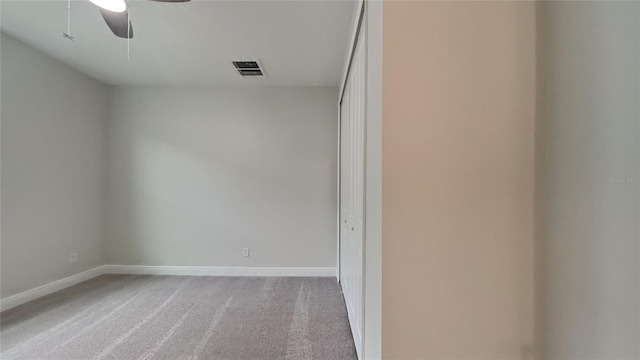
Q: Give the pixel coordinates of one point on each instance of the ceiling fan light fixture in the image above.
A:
(111, 5)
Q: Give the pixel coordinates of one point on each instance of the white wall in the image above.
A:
(589, 144)
(197, 174)
(53, 146)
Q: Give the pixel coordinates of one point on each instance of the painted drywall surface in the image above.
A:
(197, 174)
(53, 146)
(458, 180)
(589, 56)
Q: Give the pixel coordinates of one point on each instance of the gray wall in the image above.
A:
(53, 156)
(588, 149)
(198, 173)
(193, 175)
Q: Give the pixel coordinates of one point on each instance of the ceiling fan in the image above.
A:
(116, 15)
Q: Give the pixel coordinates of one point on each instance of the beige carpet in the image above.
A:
(182, 317)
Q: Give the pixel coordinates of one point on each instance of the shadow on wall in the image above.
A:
(587, 138)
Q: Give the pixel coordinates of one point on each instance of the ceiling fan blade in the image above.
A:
(118, 22)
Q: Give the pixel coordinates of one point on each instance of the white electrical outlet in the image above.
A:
(73, 258)
(245, 252)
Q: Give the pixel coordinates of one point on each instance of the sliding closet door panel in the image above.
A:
(352, 125)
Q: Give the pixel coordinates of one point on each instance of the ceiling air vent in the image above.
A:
(248, 68)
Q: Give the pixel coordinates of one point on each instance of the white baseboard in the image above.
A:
(46, 289)
(23, 297)
(221, 271)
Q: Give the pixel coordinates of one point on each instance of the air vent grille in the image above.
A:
(248, 68)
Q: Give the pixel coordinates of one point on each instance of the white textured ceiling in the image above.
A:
(300, 42)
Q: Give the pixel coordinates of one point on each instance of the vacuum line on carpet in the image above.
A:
(149, 317)
(158, 345)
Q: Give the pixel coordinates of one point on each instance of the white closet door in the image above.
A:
(352, 123)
